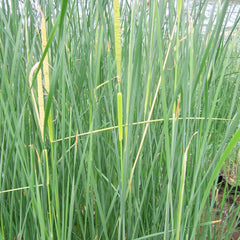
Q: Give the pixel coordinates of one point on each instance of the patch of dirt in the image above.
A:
(226, 211)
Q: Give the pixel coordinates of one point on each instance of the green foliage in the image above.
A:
(177, 109)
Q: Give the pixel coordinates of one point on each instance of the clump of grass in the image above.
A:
(132, 124)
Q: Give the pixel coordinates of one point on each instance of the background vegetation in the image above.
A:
(169, 77)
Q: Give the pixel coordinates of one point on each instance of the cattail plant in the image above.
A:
(117, 118)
